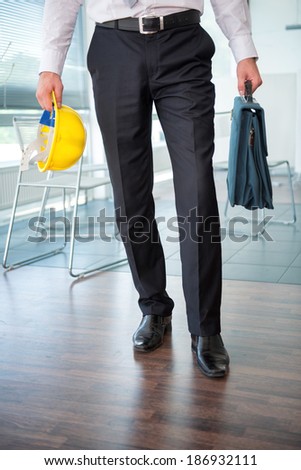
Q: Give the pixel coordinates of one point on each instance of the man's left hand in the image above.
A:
(247, 70)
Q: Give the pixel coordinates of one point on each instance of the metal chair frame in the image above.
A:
(65, 181)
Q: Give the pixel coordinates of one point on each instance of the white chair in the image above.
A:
(82, 178)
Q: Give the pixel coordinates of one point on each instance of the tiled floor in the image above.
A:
(274, 256)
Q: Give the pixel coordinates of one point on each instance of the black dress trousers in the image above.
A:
(172, 69)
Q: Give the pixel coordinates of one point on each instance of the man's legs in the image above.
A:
(173, 67)
(184, 97)
(117, 64)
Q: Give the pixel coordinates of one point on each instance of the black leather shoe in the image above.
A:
(211, 355)
(149, 334)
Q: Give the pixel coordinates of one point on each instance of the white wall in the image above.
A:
(280, 65)
(279, 49)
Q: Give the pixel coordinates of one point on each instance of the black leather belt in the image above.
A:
(152, 24)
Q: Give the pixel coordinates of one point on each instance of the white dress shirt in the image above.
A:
(232, 16)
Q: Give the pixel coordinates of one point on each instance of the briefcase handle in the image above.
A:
(248, 91)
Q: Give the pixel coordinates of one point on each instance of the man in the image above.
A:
(146, 52)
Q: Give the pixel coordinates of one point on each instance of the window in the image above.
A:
(20, 49)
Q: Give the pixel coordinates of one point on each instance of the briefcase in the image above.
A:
(248, 180)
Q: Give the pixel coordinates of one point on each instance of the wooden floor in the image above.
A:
(69, 378)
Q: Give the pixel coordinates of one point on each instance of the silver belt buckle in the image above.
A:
(141, 24)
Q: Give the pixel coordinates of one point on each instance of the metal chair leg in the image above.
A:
(32, 259)
(85, 272)
(291, 190)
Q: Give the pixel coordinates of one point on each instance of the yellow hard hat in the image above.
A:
(60, 142)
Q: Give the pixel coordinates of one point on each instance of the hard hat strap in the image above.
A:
(38, 150)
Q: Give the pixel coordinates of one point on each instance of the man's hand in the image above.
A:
(247, 70)
(49, 82)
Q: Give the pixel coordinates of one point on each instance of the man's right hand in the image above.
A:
(49, 82)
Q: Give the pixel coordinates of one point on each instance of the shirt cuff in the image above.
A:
(52, 61)
(243, 48)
